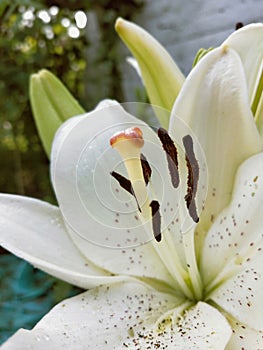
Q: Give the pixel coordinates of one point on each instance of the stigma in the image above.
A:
(129, 143)
(133, 135)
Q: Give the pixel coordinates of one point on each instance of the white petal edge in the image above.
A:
(126, 316)
(214, 104)
(243, 337)
(66, 128)
(248, 43)
(34, 231)
(232, 259)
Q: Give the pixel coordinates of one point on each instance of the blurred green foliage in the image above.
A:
(34, 35)
(27, 44)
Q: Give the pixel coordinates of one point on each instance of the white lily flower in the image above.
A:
(164, 278)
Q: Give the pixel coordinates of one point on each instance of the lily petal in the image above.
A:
(248, 43)
(34, 230)
(233, 249)
(244, 337)
(103, 318)
(125, 316)
(202, 327)
(197, 328)
(162, 84)
(214, 104)
(102, 218)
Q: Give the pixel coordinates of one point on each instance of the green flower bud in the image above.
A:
(161, 76)
(52, 104)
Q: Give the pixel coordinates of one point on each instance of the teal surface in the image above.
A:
(26, 295)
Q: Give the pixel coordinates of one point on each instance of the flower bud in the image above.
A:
(52, 104)
(161, 76)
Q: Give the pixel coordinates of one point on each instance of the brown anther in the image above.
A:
(134, 135)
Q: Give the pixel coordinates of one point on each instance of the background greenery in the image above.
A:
(35, 35)
(30, 41)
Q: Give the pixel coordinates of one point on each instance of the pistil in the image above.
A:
(129, 144)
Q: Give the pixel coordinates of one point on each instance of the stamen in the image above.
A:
(147, 171)
(171, 155)
(129, 143)
(239, 25)
(125, 184)
(193, 177)
(156, 220)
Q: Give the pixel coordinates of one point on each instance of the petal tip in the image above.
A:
(119, 24)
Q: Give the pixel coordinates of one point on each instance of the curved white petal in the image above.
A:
(242, 294)
(232, 259)
(34, 231)
(248, 43)
(214, 104)
(126, 316)
(102, 217)
(196, 328)
(244, 337)
(63, 132)
(103, 318)
(201, 327)
(140, 261)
